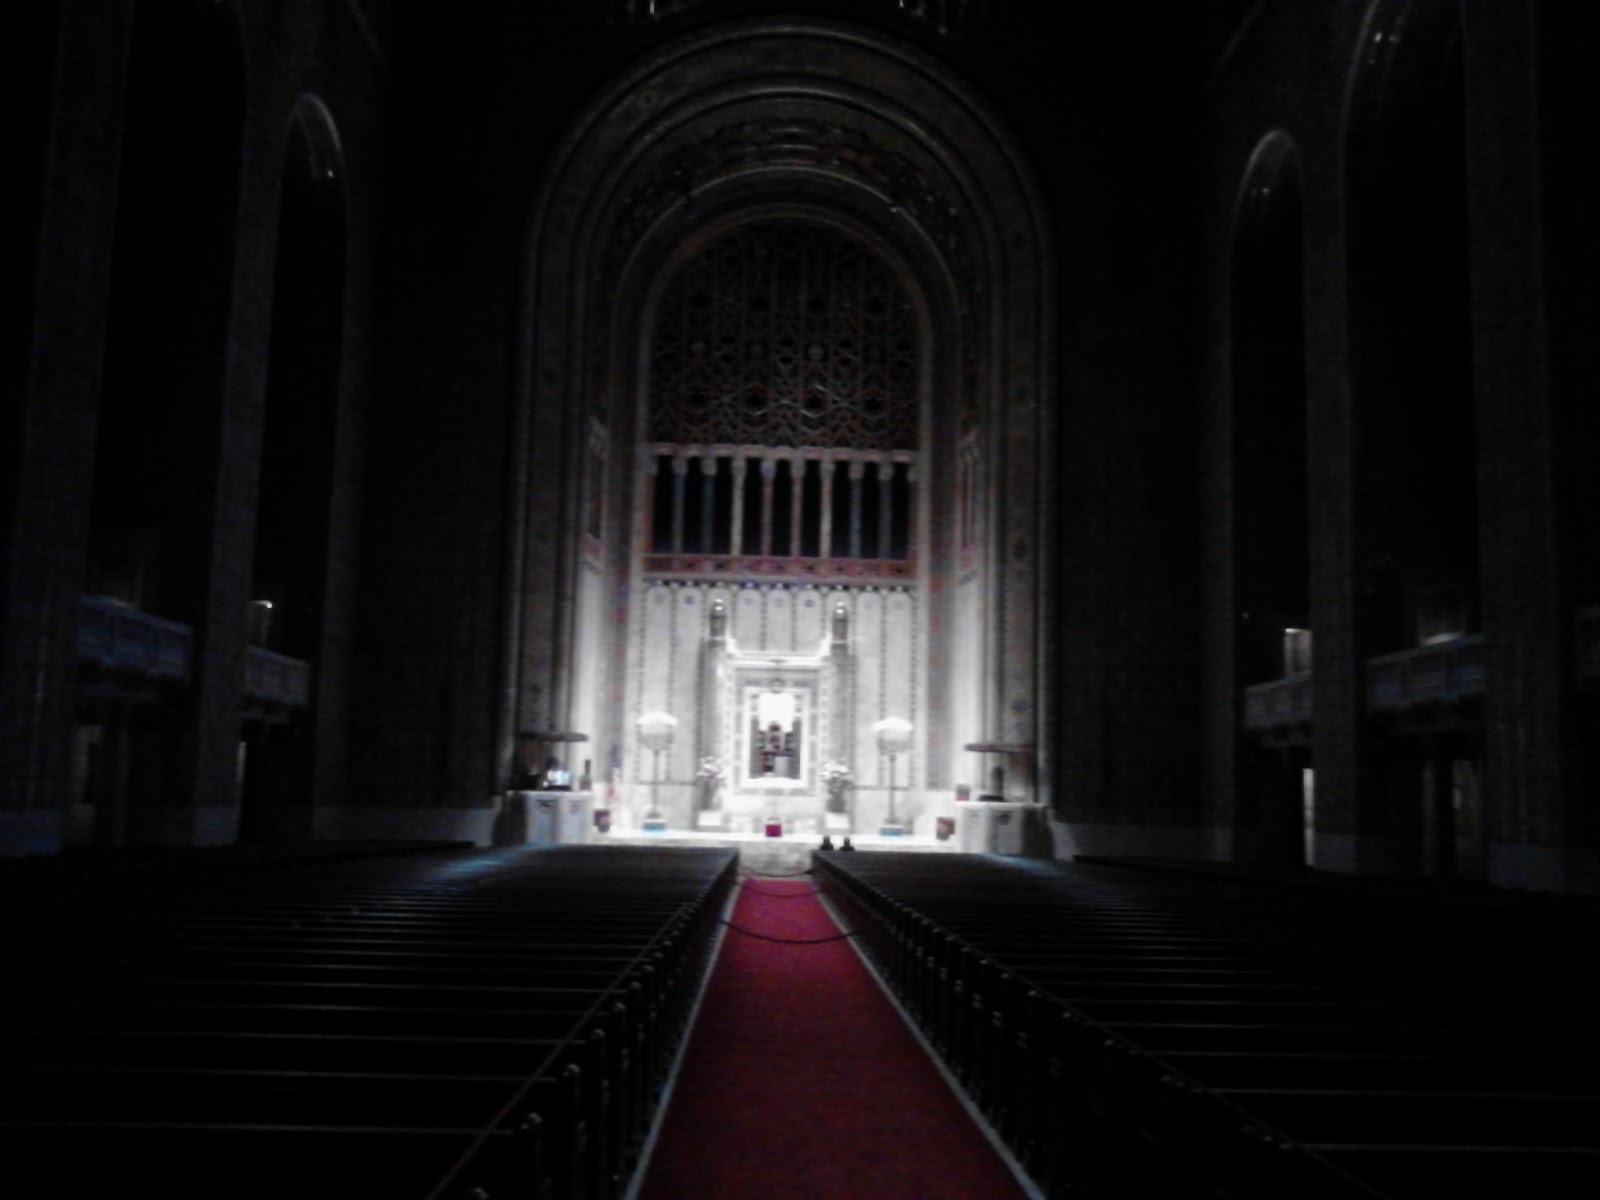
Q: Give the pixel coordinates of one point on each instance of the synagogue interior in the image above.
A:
(1155, 434)
(1174, 428)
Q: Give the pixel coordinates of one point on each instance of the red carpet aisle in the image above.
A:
(801, 1081)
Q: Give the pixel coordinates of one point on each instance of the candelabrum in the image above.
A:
(655, 734)
(894, 739)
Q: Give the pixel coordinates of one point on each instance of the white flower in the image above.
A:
(836, 775)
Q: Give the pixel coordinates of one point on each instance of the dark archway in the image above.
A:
(1270, 492)
(171, 286)
(27, 80)
(1413, 418)
(303, 377)
(156, 463)
(1413, 425)
(294, 517)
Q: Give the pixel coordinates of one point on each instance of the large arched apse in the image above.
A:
(784, 385)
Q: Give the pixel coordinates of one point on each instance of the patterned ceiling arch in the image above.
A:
(785, 333)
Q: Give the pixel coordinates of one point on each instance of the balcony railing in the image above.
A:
(1280, 705)
(119, 638)
(276, 680)
(1586, 641)
(1445, 673)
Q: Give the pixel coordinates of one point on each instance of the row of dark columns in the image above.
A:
(787, 504)
(1405, 448)
(175, 444)
(1398, 475)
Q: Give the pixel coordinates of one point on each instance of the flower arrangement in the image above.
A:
(836, 776)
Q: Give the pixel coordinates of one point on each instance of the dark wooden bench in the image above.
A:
(256, 1162)
(1135, 1035)
(488, 1025)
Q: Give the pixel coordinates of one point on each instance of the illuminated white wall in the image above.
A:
(885, 675)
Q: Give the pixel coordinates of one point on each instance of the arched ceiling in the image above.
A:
(812, 115)
(799, 153)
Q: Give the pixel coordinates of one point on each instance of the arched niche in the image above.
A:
(1269, 494)
(1413, 424)
(303, 377)
(162, 398)
(27, 81)
(170, 306)
(1412, 432)
(299, 462)
(1268, 413)
(794, 120)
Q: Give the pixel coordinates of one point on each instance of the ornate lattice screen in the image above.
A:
(785, 334)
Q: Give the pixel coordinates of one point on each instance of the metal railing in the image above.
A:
(1280, 704)
(1586, 644)
(116, 637)
(276, 679)
(1445, 673)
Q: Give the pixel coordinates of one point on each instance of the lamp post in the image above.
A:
(894, 739)
(655, 733)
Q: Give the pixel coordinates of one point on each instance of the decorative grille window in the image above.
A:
(785, 335)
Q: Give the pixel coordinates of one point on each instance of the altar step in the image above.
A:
(763, 855)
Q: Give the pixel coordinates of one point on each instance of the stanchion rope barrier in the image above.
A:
(782, 941)
(767, 937)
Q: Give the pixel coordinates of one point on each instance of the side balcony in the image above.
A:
(1440, 678)
(1586, 647)
(275, 685)
(1436, 688)
(1280, 710)
(125, 651)
(127, 654)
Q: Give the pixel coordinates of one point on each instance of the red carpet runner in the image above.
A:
(801, 1081)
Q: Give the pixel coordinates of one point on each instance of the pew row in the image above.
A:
(1130, 1034)
(452, 1025)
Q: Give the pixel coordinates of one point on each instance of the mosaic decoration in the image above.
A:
(785, 334)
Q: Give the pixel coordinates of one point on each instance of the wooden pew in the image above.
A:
(486, 1025)
(1235, 1041)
